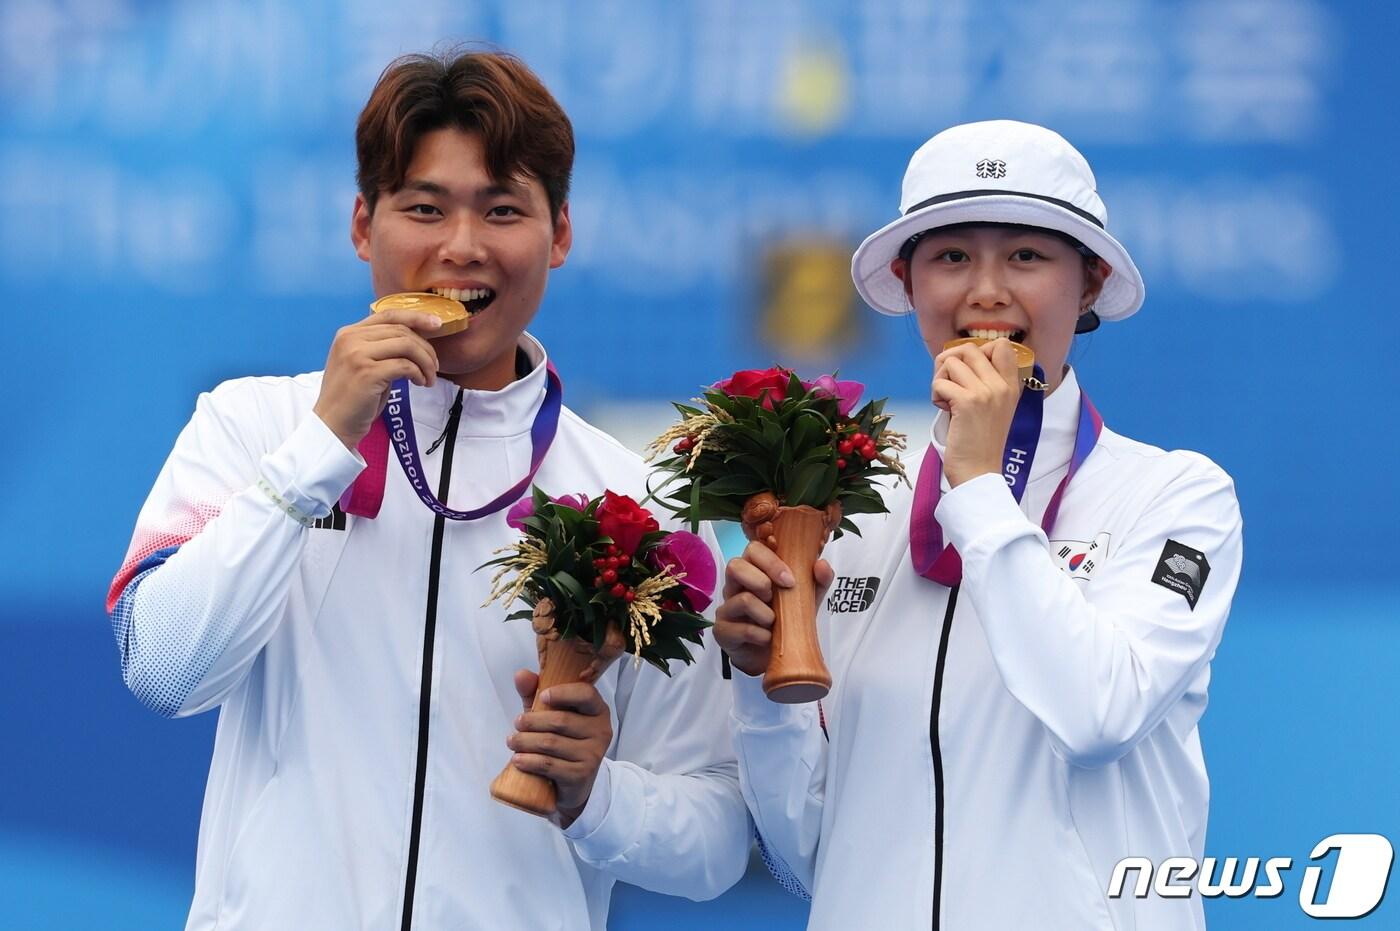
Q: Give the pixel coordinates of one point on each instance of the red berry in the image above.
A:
(613, 550)
(844, 447)
(597, 581)
(670, 604)
(600, 563)
(618, 590)
(840, 463)
(609, 576)
(858, 439)
(684, 445)
(868, 451)
(630, 597)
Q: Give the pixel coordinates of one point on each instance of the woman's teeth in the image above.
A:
(1015, 336)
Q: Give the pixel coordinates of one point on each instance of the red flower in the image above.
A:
(769, 384)
(625, 521)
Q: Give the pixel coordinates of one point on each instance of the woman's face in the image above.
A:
(986, 280)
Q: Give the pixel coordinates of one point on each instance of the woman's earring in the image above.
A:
(1088, 321)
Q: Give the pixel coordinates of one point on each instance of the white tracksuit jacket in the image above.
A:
(1053, 710)
(347, 717)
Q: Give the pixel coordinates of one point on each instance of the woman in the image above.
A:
(1021, 647)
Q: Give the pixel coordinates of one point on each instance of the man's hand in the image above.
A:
(565, 741)
(979, 387)
(744, 620)
(365, 359)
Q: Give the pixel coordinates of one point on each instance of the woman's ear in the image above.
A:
(899, 267)
(1095, 274)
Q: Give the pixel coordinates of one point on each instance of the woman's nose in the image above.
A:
(988, 288)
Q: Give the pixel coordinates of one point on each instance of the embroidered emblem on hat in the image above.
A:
(991, 168)
(1079, 558)
(1183, 570)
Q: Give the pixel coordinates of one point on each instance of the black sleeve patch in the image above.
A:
(1183, 570)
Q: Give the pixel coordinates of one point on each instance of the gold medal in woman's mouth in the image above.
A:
(1025, 359)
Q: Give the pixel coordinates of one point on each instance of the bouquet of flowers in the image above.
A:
(790, 460)
(599, 579)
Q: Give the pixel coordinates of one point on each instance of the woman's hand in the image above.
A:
(978, 386)
(744, 620)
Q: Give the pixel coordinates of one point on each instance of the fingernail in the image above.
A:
(786, 579)
(544, 697)
(520, 723)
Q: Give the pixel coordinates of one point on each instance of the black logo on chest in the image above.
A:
(335, 520)
(852, 593)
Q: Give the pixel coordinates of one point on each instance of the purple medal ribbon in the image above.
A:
(939, 563)
(398, 419)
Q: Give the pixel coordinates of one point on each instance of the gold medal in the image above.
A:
(1025, 360)
(453, 314)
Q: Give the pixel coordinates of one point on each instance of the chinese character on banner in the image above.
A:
(808, 300)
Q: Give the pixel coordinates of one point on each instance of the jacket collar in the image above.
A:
(506, 412)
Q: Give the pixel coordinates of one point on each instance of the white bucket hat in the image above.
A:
(998, 171)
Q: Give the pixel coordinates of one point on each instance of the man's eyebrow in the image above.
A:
(496, 189)
(504, 188)
(427, 187)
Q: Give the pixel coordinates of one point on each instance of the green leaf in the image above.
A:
(809, 482)
(739, 483)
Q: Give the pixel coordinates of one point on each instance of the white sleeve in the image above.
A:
(1101, 667)
(206, 578)
(674, 821)
(782, 771)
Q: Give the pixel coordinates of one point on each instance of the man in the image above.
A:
(366, 698)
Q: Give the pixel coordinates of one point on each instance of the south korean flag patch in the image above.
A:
(1079, 558)
(1183, 570)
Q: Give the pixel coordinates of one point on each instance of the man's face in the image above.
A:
(452, 226)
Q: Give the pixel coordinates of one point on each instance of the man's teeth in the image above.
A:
(463, 294)
(979, 333)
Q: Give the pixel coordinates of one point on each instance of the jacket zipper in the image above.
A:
(425, 690)
(937, 751)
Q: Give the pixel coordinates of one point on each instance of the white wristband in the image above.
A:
(285, 506)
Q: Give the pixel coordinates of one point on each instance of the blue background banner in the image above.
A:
(175, 190)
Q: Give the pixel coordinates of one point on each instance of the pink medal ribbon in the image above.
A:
(394, 428)
(939, 563)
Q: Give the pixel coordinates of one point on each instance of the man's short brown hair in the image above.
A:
(490, 94)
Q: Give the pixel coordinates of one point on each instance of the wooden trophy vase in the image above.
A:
(796, 672)
(561, 661)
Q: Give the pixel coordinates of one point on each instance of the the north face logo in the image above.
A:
(991, 168)
(335, 520)
(852, 594)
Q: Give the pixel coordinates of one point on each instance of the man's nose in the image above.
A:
(464, 242)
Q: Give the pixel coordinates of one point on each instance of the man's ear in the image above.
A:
(359, 227)
(563, 238)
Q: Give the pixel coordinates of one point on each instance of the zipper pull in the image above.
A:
(452, 417)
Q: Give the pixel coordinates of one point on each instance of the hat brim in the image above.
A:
(1123, 290)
